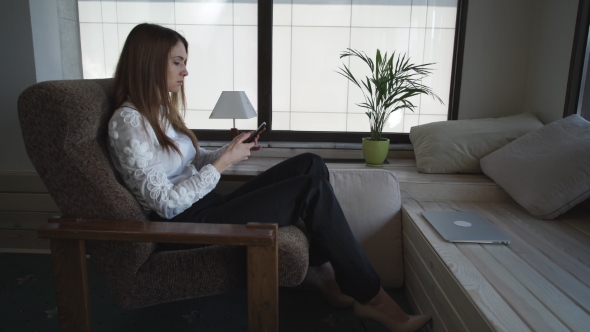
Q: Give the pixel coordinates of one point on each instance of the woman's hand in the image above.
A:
(235, 152)
(256, 147)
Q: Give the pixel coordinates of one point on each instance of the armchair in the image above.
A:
(64, 125)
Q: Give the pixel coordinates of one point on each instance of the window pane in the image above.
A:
(310, 35)
(222, 37)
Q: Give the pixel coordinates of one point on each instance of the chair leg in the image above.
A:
(71, 285)
(263, 285)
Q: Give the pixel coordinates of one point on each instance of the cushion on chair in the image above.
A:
(184, 274)
(546, 171)
(371, 202)
(457, 146)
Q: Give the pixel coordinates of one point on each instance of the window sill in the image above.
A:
(310, 145)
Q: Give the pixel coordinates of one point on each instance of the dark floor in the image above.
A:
(28, 304)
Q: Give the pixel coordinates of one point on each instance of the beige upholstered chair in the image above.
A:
(64, 125)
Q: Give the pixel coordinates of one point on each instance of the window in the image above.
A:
(222, 37)
(310, 100)
(309, 35)
(584, 95)
(577, 99)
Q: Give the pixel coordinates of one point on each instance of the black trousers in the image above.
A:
(297, 188)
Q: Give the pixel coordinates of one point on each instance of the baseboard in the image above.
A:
(22, 239)
(25, 205)
(24, 251)
(24, 219)
(14, 181)
(26, 202)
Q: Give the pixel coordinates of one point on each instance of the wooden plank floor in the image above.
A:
(539, 282)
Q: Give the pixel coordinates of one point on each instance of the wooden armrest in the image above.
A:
(151, 231)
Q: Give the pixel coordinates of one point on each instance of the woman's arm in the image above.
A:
(144, 167)
(205, 157)
(229, 154)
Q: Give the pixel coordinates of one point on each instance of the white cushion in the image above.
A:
(546, 171)
(371, 202)
(457, 146)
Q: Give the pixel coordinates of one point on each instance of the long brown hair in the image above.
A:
(141, 77)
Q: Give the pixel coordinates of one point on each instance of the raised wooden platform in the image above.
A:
(25, 204)
(539, 282)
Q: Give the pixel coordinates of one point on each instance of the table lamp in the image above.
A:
(233, 105)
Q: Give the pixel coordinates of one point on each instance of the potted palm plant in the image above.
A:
(392, 83)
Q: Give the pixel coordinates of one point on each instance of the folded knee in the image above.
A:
(312, 157)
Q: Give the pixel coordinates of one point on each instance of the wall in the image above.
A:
(40, 41)
(517, 55)
(17, 70)
(497, 47)
(554, 25)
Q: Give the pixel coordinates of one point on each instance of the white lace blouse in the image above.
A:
(162, 181)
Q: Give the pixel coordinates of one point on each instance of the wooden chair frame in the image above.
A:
(67, 239)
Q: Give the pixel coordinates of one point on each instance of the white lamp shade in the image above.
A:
(233, 105)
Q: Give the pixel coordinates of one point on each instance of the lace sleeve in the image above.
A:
(205, 157)
(146, 168)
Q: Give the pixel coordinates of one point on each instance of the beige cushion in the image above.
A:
(546, 171)
(371, 202)
(457, 146)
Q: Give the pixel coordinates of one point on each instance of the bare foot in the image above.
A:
(384, 310)
(322, 277)
(388, 307)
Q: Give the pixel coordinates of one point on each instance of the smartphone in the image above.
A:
(254, 134)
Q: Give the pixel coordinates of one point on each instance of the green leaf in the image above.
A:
(393, 81)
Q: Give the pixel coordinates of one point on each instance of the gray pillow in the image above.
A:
(457, 146)
(546, 171)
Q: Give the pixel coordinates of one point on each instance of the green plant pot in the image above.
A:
(375, 152)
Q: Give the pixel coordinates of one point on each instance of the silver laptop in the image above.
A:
(464, 226)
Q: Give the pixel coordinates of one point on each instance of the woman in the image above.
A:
(162, 164)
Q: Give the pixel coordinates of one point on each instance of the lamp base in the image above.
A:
(234, 133)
